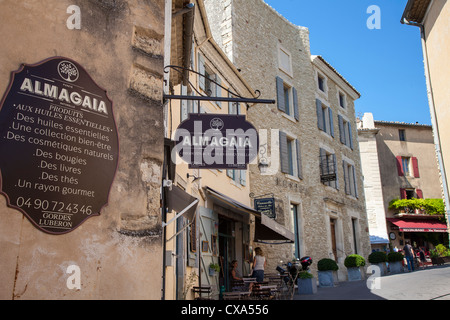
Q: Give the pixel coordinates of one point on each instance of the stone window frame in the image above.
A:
(317, 74)
(347, 129)
(293, 140)
(338, 95)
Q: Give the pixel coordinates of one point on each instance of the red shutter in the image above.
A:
(399, 166)
(415, 164)
(402, 193)
(419, 194)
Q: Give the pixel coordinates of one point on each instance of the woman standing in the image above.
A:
(259, 264)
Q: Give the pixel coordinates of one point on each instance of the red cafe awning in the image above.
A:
(419, 225)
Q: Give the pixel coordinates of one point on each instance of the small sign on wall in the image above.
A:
(58, 144)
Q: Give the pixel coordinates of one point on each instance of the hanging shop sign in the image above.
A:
(216, 141)
(266, 206)
(58, 145)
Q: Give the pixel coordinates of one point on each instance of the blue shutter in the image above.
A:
(320, 119)
(201, 70)
(354, 182)
(295, 98)
(341, 129)
(284, 153)
(330, 114)
(280, 95)
(299, 160)
(350, 135)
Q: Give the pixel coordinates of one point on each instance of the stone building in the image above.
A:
(118, 254)
(309, 161)
(222, 225)
(399, 162)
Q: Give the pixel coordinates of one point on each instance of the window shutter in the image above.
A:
(243, 177)
(346, 177)
(354, 182)
(323, 161)
(415, 164)
(402, 193)
(230, 173)
(184, 105)
(341, 129)
(419, 194)
(350, 135)
(295, 98)
(336, 182)
(330, 114)
(280, 95)
(299, 159)
(399, 166)
(218, 90)
(284, 153)
(320, 119)
(201, 70)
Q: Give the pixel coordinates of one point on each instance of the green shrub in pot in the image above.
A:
(354, 261)
(377, 257)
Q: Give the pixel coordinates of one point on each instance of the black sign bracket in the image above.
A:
(235, 98)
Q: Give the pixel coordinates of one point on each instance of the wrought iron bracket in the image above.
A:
(201, 97)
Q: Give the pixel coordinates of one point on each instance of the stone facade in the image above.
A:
(386, 142)
(118, 253)
(266, 47)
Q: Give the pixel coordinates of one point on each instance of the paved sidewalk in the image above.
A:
(432, 283)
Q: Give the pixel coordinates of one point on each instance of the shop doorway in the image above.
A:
(227, 250)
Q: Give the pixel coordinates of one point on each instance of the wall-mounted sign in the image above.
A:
(266, 206)
(58, 145)
(216, 141)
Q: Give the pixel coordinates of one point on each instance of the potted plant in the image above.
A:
(379, 259)
(395, 260)
(440, 255)
(353, 263)
(213, 269)
(327, 272)
(306, 283)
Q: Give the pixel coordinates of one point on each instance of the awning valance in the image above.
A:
(266, 229)
(419, 225)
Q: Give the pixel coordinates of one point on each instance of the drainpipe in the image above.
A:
(434, 123)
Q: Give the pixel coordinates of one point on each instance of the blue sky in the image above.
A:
(385, 65)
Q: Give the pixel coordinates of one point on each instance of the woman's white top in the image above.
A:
(259, 264)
